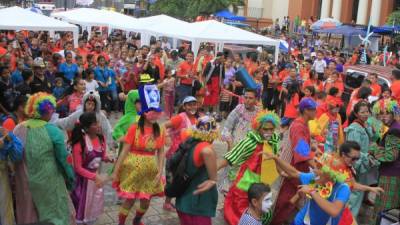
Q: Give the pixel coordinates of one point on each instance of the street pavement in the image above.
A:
(157, 216)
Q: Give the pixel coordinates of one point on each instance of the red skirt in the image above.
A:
(235, 204)
(212, 97)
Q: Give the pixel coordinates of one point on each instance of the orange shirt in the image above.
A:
(376, 89)
(291, 107)
(305, 74)
(142, 141)
(82, 52)
(395, 88)
(338, 84)
(282, 76)
(157, 62)
(318, 87)
(177, 120)
(251, 68)
(96, 55)
(3, 51)
(183, 70)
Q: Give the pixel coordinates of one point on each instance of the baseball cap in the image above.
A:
(313, 54)
(189, 99)
(307, 103)
(38, 62)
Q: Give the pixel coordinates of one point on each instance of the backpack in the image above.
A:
(178, 179)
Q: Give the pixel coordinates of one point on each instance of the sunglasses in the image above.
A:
(353, 159)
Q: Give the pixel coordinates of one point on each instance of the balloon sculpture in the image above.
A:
(365, 41)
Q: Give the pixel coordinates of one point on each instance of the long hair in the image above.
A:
(156, 126)
(356, 110)
(78, 133)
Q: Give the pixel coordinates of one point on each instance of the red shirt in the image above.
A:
(157, 62)
(291, 107)
(82, 52)
(376, 89)
(96, 55)
(177, 120)
(318, 87)
(395, 88)
(338, 84)
(183, 70)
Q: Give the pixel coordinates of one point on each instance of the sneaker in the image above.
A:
(169, 207)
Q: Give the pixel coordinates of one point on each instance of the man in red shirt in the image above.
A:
(186, 74)
(158, 62)
(82, 50)
(395, 88)
(98, 50)
(375, 87)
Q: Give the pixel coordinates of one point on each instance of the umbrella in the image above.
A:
(326, 23)
(230, 16)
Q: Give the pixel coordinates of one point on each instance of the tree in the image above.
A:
(394, 19)
(192, 8)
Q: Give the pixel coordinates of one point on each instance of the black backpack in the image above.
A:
(178, 179)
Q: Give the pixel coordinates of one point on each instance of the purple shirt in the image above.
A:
(229, 74)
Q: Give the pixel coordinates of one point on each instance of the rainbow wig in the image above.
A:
(332, 165)
(39, 105)
(389, 106)
(266, 116)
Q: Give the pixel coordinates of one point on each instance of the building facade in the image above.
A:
(346, 11)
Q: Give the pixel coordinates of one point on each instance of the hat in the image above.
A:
(174, 52)
(189, 99)
(307, 103)
(145, 78)
(149, 98)
(206, 129)
(313, 54)
(38, 62)
(288, 66)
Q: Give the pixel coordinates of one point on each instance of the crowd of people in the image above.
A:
(296, 152)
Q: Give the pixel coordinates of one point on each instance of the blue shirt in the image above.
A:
(16, 78)
(12, 150)
(69, 71)
(340, 192)
(105, 75)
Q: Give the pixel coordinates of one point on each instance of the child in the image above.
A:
(260, 202)
(168, 86)
(58, 90)
(75, 99)
(90, 82)
(88, 150)
(309, 92)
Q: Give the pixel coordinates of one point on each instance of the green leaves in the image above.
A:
(192, 8)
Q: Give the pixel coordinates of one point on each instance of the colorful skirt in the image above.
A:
(88, 200)
(137, 178)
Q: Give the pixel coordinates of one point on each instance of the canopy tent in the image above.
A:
(237, 24)
(386, 30)
(161, 25)
(89, 17)
(325, 23)
(345, 30)
(220, 33)
(16, 18)
(226, 14)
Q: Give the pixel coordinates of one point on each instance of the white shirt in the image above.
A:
(91, 86)
(319, 66)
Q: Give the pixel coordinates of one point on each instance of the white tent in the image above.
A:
(160, 25)
(16, 18)
(220, 34)
(89, 17)
(209, 31)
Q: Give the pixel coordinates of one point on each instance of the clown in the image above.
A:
(43, 175)
(387, 153)
(138, 171)
(327, 129)
(246, 153)
(199, 201)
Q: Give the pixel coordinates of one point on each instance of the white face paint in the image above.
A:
(267, 136)
(267, 203)
(317, 177)
(192, 112)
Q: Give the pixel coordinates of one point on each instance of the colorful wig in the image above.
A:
(389, 106)
(334, 167)
(206, 129)
(39, 105)
(266, 116)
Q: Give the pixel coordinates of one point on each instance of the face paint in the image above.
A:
(267, 203)
(153, 116)
(312, 170)
(267, 136)
(192, 112)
